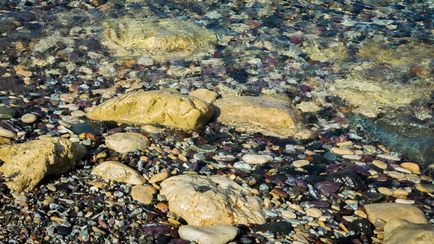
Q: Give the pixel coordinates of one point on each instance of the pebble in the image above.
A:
(342, 151)
(29, 118)
(143, 194)
(6, 133)
(159, 177)
(314, 212)
(404, 201)
(300, 163)
(127, 142)
(380, 164)
(412, 167)
(400, 193)
(256, 158)
(386, 191)
(217, 234)
(428, 188)
(395, 174)
(388, 157)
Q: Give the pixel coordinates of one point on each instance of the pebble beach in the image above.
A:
(212, 122)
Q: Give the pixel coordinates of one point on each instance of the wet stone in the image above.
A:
(281, 227)
(361, 226)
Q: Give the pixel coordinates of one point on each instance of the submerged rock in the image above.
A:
(155, 107)
(401, 231)
(26, 164)
(218, 234)
(267, 115)
(127, 142)
(401, 132)
(115, 171)
(385, 212)
(161, 39)
(212, 200)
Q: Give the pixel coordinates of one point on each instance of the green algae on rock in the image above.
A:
(160, 39)
(155, 107)
(26, 164)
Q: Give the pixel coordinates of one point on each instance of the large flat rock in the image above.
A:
(28, 163)
(155, 107)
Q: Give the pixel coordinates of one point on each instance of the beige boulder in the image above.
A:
(127, 142)
(115, 171)
(26, 164)
(384, 212)
(265, 114)
(160, 39)
(204, 94)
(218, 234)
(212, 200)
(401, 231)
(155, 107)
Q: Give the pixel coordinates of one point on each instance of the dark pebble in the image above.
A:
(275, 227)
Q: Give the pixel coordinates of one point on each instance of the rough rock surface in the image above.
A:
(160, 39)
(388, 211)
(26, 164)
(155, 107)
(401, 231)
(267, 115)
(204, 94)
(115, 171)
(218, 234)
(212, 200)
(127, 142)
(143, 194)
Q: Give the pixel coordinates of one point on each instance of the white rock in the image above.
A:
(218, 234)
(127, 142)
(115, 171)
(212, 200)
(256, 158)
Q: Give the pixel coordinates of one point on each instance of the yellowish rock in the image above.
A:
(115, 171)
(428, 188)
(160, 39)
(267, 115)
(342, 151)
(413, 167)
(380, 164)
(204, 94)
(7, 133)
(388, 211)
(159, 176)
(155, 107)
(143, 194)
(401, 231)
(28, 163)
(127, 142)
(386, 191)
(212, 200)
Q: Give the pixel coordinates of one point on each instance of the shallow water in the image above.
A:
(354, 77)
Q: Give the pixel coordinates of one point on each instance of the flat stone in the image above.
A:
(412, 167)
(29, 118)
(401, 231)
(386, 191)
(31, 161)
(115, 171)
(7, 133)
(267, 115)
(154, 107)
(300, 163)
(314, 212)
(159, 39)
(388, 211)
(159, 176)
(395, 174)
(342, 151)
(428, 188)
(127, 142)
(256, 158)
(212, 200)
(143, 194)
(204, 94)
(217, 234)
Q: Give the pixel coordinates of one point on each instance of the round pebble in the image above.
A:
(412, 167)
(6, 133)
(28, 118)
(300, 163)
(380, 164)
(386, 191)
